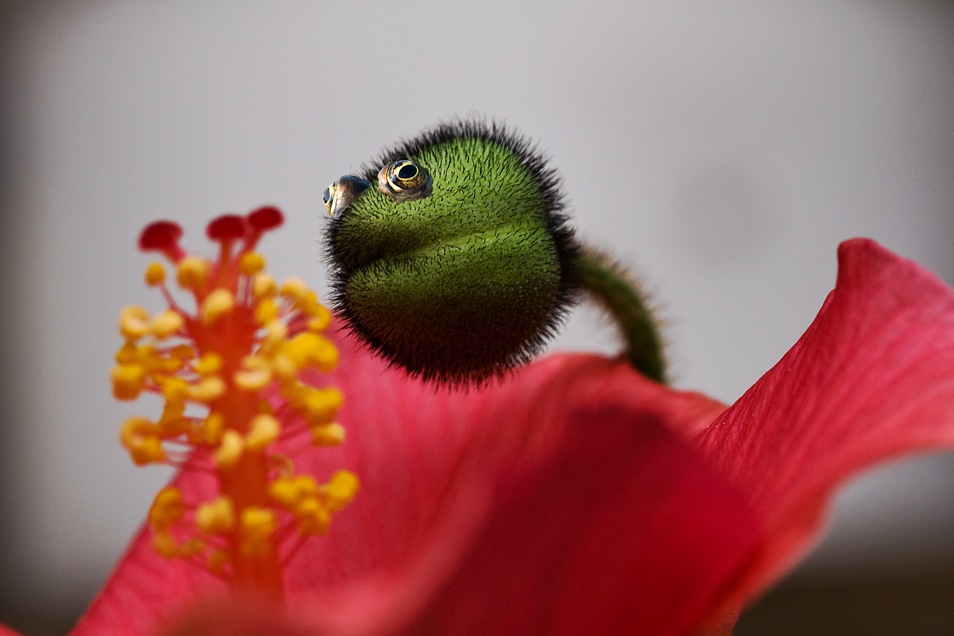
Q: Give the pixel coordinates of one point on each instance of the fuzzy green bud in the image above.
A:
(450, 255)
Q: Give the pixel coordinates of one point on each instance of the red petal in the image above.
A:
(872, 378)
(621, 530)
(426, 460)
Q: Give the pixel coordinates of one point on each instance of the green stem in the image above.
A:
(610, 286)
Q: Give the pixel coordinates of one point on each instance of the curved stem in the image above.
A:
(610, 286)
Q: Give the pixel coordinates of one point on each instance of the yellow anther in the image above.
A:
(326, 358)
(191, 548)
(167, 508)
(164, 545)
(127, 354)
(147, 450)
(155, 274)
(294, 288)
(156, 364)
(284, 367)
(263, 285)
(327, 434)
(340, 490)
(217, 560)
(258, 525)
(134, 322)
(283, 491)
(230, 450)
(257, 375)
(208, 364)
(212, 428)
(305, 486)
(166, 365)
(175, 389)
(217, 304)
(264, 430)
(308, 302)
(192, 272)
(216, 517)
(266, 311)
(309, 348)
(320, 319)
(305, 348)
(313, 517)
(147, 356)
(289, 492)
(319, 406)
(128, 381)
(135, 427)
(251, 263)
(207, 389)
(166, 324)
(172, 423)
(141, 439)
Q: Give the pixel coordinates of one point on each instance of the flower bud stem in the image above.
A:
(610, 286)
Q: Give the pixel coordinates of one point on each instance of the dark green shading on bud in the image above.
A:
(468, 281)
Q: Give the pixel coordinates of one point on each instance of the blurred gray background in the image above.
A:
(723, 148)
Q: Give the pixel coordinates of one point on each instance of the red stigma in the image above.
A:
(162, 236)
(262, 220)
(226, 227)
(265, 218)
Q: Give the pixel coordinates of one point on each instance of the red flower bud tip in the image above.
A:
(162, 236)
(229, 374)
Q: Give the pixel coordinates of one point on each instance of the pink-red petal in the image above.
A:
(622, 530)
(424, 457)
(872, 378)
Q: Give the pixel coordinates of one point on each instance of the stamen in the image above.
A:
(327, 434)
(229, 451)
(258, 524)
(141, 439)
(244, 346)
(257, 376)
(263, 286)
(166, 324)
(217, 304)
(129, 380)
(216, 517)
(209, 364)
(192, 272)
(134, 322)
(155, 274)
(265, 430)
(251, 263)
(207, 389)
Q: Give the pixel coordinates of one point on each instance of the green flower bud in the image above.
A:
(450, 255)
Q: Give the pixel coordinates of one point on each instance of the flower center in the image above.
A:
(229, 373)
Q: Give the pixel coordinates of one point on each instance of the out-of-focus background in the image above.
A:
(723, 148)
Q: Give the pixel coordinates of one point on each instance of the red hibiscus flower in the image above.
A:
(575, 497)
